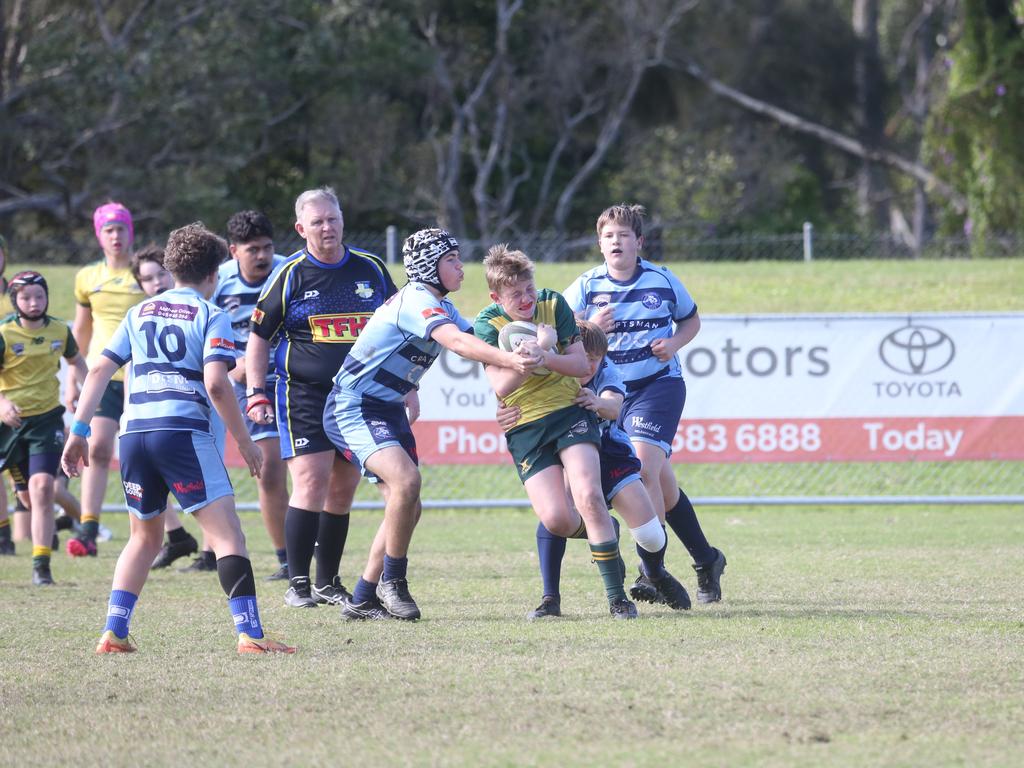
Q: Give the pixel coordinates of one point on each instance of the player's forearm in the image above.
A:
(686, 331)
(609, 406)
(256, 355)
(218, 387)
(81, 328)
(504, 381)
(571, 363)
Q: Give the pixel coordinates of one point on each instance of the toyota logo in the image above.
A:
(917, 350)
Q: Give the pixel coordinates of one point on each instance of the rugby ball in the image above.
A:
(515, 333)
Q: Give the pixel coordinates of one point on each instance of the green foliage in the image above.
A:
(975, 134)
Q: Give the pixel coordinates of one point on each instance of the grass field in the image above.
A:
(847, 637)
(880, 636)
(738, 288)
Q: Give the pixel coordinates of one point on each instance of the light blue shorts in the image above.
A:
(359, 426)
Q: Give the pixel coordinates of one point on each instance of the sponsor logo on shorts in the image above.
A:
(133, 490)
(363, 289)
(338, 329)
(641, 425)
(257, 316)
(524, 466)
(310, 295)
(580, 428)
(301, 442)
(192, 486)
(651, 300)
(618, 472)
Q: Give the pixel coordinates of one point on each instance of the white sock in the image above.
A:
(650, 536)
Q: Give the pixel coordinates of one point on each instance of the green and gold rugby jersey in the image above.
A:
(30, 359)
(538, 395)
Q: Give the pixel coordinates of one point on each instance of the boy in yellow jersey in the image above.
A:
(555, 440)
(32, 432)
(104, 292)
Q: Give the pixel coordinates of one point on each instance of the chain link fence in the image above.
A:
(662, 243)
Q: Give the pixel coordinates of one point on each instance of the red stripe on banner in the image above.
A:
(970, 438)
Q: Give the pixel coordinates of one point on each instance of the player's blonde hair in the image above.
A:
(623, 213)
(595, 343)
(504, 266)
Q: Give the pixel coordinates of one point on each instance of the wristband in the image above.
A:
(251, 391)
(261, 401)
(80, 428)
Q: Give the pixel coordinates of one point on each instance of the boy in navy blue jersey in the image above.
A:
(648, 316)
(180, 346)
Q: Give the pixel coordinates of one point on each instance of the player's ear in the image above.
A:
(233, 250)
(494, 297)
(640, 242)
(299, 228)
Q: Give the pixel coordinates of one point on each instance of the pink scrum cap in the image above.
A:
(110, 213)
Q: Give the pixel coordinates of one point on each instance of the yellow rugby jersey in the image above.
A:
(109, 293)
(538, 395)
(29, 360)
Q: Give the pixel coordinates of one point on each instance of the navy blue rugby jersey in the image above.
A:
(316, 311)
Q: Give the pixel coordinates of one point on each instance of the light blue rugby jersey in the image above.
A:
(394, 350)
(238, 299)
(608, 377)
(646, 307)
(168, 339)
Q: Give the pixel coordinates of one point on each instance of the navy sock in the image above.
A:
(550, 551)
(331, 535)
(119, 612)
(365, 590)
(683, 520)
(282, 556)
(653, 563)
(300, 527)
(394, 568)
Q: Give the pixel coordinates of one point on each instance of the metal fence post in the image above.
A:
(808, 241)
(391, 238)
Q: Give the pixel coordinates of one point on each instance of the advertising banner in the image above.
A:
(806, 388)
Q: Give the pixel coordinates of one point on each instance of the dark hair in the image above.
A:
(246, 226)
(194, 253)
(151, 252)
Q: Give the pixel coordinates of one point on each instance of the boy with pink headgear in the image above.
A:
(104, 292)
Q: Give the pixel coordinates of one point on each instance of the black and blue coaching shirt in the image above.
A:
(317, 311)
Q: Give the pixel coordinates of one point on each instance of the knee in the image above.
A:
(408, 487)
(590, 501)
(100, 454)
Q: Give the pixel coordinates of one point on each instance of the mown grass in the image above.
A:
(751, 287)
(847, 637)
